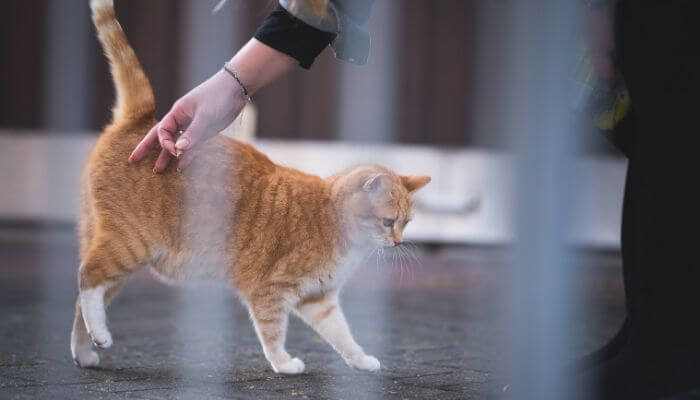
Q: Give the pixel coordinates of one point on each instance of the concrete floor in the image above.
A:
(433, 324)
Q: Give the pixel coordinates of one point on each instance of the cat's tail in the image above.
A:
(135, 98)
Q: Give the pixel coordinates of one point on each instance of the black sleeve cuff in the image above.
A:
(284, 32)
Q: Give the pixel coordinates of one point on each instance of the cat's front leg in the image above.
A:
(270, 318)
(323, 313)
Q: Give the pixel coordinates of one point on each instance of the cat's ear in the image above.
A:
(414, 182)
(377, 183)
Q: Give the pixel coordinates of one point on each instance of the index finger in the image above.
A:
(145, 145)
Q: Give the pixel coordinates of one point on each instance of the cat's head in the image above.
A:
(380, 205)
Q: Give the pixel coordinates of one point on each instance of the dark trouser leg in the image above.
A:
(658, 47)
(618, 342)
(623, 139)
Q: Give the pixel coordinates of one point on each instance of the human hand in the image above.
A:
(599, 34)
(213, 105)
(200, 114)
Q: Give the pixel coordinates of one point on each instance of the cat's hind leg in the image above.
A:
(270, 315)
(108, 262)
(80, 341)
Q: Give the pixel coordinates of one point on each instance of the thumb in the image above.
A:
(191, 135)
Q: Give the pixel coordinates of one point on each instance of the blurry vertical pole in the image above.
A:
(66, 66)
(367, 93)
(207, 41)
(366, 114)
(538, 112)
(66, 98)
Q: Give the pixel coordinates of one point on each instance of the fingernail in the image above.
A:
(182, 143)
(154, 171)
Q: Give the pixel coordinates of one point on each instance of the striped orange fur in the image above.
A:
(284, 239)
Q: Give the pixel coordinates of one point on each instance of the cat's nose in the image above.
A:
(397, 242)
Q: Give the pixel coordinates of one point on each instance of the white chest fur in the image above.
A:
(332, 277)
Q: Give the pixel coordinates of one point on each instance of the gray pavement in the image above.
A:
(433, 324)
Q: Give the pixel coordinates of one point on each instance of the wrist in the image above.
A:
(225, 90)
(233, 74)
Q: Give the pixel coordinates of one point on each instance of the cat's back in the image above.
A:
(221, 167)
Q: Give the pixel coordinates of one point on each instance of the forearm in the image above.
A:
(258, 64)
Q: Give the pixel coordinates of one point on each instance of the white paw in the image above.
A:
(86, 358)
(101, 338)
(293, 366)
(95, 4)
(365, 363)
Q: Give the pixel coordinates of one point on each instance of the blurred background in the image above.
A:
(431, 100)
(435, 98)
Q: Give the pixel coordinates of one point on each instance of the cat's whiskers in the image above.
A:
(405, 260)
(381, 251)
(411, 251)
(368, 255)
(403, 266)
(401, 260)
(409, 257)
(397, 263)
(377, 258)
(393, 263)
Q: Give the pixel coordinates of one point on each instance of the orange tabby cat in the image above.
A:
(285, 240)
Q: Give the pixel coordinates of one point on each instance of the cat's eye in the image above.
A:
(388, 222)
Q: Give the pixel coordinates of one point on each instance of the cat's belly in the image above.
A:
(186, 268)
(333, 276)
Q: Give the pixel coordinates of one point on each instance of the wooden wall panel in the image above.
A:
(433, 76)
(435, 59)
(21, 63)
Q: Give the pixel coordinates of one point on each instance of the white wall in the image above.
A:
(467, 202)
